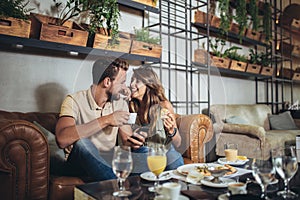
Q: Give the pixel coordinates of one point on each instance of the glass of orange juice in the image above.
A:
(231, 152)
(157, 161)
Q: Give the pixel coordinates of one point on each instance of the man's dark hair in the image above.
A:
(103, 68)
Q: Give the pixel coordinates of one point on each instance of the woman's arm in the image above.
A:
(170, 123)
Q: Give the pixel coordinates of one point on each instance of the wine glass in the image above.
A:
(286, 165)
(157, 162)
(263, 172)
(122, 166)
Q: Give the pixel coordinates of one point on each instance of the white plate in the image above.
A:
(185, 169)
(181, 197)
(224, 183)
(223, 161)
(149, 176)
(223, 197)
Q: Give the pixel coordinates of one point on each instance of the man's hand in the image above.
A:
(119, 118)
(137, 139)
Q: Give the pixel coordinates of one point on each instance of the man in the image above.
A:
(90, 121)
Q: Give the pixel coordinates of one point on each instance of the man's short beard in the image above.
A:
(112, 97)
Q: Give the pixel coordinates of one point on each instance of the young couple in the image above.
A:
(92, 121)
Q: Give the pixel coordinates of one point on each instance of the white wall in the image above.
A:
(30, 82)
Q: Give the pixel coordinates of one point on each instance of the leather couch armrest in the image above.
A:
(195, 131)
(246, 129)
(24, 161)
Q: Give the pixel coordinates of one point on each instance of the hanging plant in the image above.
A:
(253, 12)
(16, 9)
(241, 16)
(225, 15)
(212, 8)
(267, 26)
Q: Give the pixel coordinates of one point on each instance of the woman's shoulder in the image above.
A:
(166, 104)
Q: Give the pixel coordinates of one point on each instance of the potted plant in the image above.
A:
(265, 62)
(104, 28)
(14, 19)
(145, 44)
(218, 59)
(61, 29)
(254, 62)
(238, 62)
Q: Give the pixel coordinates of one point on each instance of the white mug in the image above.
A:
(237, 188)
(170, 190)
(298, 142)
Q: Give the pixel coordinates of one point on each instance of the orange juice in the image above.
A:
(157, 164)
(231, 154)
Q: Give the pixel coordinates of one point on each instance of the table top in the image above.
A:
(139, 189)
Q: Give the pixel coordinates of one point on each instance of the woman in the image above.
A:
(146, 92)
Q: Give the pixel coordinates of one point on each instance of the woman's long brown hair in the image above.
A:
(155, 92)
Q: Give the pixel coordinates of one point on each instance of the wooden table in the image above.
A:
(139, 189)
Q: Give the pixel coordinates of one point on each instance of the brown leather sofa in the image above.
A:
(25, 155)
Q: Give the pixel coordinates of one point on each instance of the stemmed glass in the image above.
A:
(122, 167)
(263, 171)
(286, 164)
(157, 162)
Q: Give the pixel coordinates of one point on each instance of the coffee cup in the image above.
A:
(132, 118)
(231, 152)
(237, 188)
(170, 190)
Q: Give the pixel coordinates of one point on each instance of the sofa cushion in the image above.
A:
(236, 120)
(282, 121)
(58, 166)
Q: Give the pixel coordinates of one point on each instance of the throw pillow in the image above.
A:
(282, 121)
(236, 120)
(55, 151)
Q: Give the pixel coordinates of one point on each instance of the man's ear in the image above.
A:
(106, 82)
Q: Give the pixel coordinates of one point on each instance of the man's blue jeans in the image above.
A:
(87, 158)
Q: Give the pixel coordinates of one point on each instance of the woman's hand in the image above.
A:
(170, 123)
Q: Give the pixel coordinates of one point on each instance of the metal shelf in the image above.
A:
(230, 36)
(230, 73)
(138, 6)
(45, 47)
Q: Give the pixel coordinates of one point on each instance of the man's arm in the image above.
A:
(67, 132)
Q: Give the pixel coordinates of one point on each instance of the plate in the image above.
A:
(185, 169)
(224, 183)
(223, 197)
(223, 161)
(149, 176)
(181, 197)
